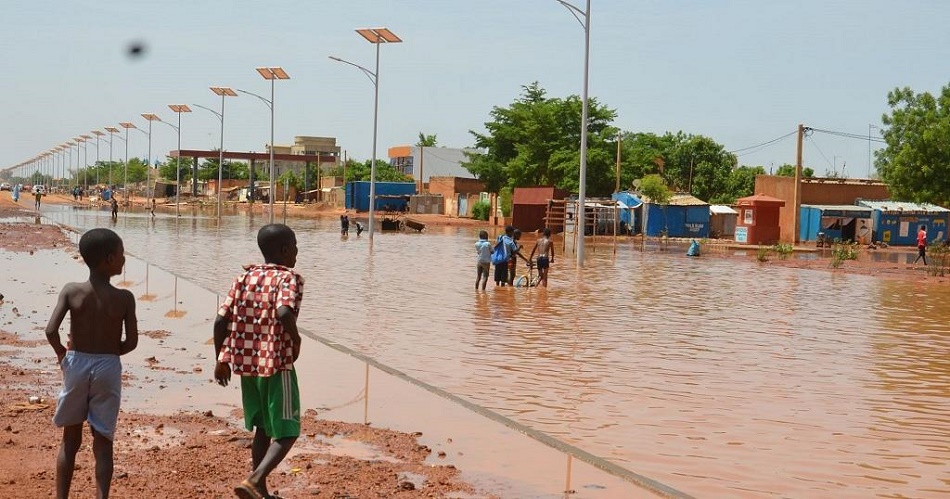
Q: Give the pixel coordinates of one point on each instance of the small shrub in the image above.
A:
(938, 255)
(762, 254)
(783, 250)
(481, 210)
(841, 252)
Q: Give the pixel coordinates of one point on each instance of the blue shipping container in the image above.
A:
(390, 196)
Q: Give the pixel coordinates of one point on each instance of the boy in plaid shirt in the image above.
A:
(256, 338)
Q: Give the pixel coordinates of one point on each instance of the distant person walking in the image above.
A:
(545, 250)
(483, 251)
(344, 224)
(38, 198)
(16, 192)
(921, 245)
(515, 252)
(115, 207)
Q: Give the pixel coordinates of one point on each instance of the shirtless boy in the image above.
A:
(256, 338)
(92, 371)
(544, 246)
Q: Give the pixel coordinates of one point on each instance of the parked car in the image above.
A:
(39, 188)
(5, 186)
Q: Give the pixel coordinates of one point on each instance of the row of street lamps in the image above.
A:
(376, 36)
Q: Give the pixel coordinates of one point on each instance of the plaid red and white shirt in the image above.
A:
(257, 344)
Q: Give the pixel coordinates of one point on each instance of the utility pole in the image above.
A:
(617, 169)
(798, 182)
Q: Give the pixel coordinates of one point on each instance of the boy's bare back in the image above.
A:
(97, 314)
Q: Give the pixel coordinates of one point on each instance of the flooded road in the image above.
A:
(718, 377)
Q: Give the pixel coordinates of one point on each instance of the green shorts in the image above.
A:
(272, 403)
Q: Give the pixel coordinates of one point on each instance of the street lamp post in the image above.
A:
(148, 167)
(377, 36)
(178, 108)
(85, 172)
(582, 182)
(98, 134)
(79, 142)
(273, 74)
(112, 131)
(223, 92)
(125, 176)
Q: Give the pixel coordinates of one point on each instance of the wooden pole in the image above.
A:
(798, 183)
(617, 172)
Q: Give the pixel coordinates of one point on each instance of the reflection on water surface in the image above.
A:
(719, 377)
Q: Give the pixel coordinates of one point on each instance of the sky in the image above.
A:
(742, 72)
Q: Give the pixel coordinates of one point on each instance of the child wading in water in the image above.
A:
(544, 246)
(92, 372)
(483, 249)
(255, 334)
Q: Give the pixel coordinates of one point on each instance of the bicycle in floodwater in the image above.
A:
(528, 280)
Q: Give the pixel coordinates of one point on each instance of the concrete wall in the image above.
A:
(434, 161)
(815, 191)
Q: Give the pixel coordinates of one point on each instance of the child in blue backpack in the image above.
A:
(483, 249)
(501, 254)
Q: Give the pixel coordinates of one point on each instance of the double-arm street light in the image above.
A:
(125, 178)
(223, 92)
(178, 108)
(583, 17)
(273, 74)
(85, 173)
(112, 131)
(377, 36)
(148, 164)
(98, 134)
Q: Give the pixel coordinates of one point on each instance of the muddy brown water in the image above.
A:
(718, 377)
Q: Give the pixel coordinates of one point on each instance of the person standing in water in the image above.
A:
(544, 247)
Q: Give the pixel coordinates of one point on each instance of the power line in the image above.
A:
(863, 138)
(814, 143)
(762, 145)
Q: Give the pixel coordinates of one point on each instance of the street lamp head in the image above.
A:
(179, 108)
(127, 125)
(335, 58)
(86, 137)
(111, 129)
(273, 73)
(378, 35)
(97, 133)
(151, 117)
(222, 91)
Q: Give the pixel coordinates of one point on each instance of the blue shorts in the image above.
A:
(92, 390)
(543, 262)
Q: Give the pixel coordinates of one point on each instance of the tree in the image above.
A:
(788, 170)
(687, 163)
(535, 141)
(741, 183)
(166, 170)
(915, 163)
(356, 171)
(426, 140)
(653, 187)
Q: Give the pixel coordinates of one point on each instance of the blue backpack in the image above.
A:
(500, 253)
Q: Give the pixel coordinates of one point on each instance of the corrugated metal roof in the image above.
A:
(839, 207)
(719, 209)
(903, 207)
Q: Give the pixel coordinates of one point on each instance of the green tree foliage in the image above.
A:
(788, 170)
(481, 210)
(427, 140)
(915, 163)
(166, 169)
(654, 187)
(741, 183)
(687, 163)
(208, 170)
(356, 171)
(536, 140)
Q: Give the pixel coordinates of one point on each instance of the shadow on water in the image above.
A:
(720, 377)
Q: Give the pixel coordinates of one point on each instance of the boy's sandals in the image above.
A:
(247, 491)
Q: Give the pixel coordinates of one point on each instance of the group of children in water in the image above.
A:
(504, 255)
